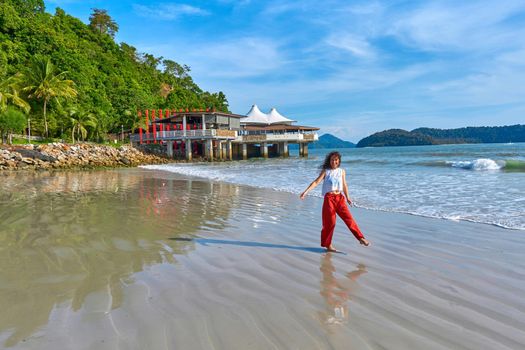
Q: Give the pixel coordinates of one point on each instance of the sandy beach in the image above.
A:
(141, 259)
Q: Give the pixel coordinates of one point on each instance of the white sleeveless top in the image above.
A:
(333, 180)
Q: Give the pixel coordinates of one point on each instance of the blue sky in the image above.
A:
(351, 68)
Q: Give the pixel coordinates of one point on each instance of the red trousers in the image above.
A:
(336, 203)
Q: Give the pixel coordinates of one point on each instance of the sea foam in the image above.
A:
(478, 164)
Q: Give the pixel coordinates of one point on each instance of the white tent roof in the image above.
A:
(255, 116)
(275, 117)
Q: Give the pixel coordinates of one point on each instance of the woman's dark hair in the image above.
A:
(326, 163)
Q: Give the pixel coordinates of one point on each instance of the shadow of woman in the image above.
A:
(219, 242)
(336, 292)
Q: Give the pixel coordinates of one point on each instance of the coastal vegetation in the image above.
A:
(429, 136)
(73, 81)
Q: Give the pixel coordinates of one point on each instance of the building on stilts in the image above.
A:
(213, 135)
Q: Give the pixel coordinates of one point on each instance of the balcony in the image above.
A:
(286, 137)
(186, 134)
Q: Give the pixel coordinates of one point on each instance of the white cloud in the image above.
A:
(236, 2)
(515, 58)
(169, 11)
(279, 7)
(241, 58)
(458, 26)
(358, 47)
(244, 57)
(368, 8)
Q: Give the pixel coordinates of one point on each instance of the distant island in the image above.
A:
(331, 141)
(428, 136)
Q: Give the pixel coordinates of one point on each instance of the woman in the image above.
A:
(334, 185)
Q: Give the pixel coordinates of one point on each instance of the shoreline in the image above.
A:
(87, 156)
(203, 178)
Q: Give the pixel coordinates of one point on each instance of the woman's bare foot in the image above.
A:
(331, 248)
(364, 242)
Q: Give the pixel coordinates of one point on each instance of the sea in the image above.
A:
(482, 183)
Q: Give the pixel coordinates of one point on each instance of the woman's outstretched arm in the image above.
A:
(313, 184)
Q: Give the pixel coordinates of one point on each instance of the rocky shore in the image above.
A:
(64, 156)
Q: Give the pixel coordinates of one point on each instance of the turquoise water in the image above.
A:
(482, 183)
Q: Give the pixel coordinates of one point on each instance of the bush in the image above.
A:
(11, 121)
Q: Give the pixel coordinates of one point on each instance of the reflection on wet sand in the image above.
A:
(67, 235)
(336, 292)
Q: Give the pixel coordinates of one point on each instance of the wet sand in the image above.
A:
(135, 259)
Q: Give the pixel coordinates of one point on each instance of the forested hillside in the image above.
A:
(73, 79)
(427, 136)
(395, 137)
(485, 134)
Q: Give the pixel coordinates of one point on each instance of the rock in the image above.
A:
(57, 155)
(125, 160)
(36, 155)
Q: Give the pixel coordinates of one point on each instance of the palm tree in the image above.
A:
(43, 82)
(99, 128)
(79, 121)
(9, 89)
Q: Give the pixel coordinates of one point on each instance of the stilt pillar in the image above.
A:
(244, 151)
(208, 150)
(219, 150)
(305, 150)
(264, 150)
(229, 151)
(169, 146)
(187, 147)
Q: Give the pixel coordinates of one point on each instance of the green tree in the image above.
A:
(9, 91)
(79, 121)
(27, 7)
(100, 127)
(102, 22)
(11, 121)
(43, 82)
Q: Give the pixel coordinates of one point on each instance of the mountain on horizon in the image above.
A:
(331, 141)
(429, 136)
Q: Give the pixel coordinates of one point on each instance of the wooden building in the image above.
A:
(210, 134)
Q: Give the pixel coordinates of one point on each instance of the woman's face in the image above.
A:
(334, 161)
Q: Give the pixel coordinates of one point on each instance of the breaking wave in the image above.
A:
(481, 164)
